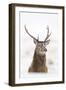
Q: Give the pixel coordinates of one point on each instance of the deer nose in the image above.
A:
(45, 49)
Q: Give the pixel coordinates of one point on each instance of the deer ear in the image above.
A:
(35, 41)
(47, 42)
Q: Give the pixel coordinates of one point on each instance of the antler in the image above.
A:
(29, 33)
(48, 35)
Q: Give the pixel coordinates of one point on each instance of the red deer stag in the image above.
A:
(39, 58)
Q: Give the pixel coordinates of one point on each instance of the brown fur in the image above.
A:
(38, 64)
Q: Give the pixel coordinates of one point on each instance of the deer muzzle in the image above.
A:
(45, 49)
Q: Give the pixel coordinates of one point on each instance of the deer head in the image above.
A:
(40, 45)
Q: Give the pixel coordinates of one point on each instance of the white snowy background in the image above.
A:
(36, 24)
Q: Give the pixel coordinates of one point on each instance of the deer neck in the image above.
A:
(39, 60)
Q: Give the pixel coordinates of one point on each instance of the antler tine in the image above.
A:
(47, 33)
(29, 33)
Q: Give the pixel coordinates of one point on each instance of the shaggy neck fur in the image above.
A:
(39, 62)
